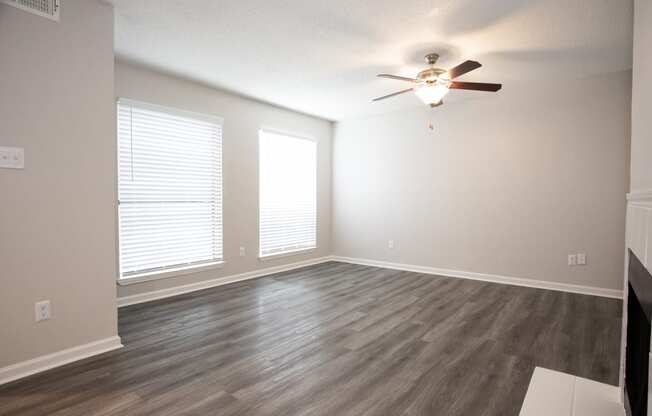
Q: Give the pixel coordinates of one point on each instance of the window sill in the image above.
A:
(287, 253)
(166, 274)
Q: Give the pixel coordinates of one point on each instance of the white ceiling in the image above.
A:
(321, 57)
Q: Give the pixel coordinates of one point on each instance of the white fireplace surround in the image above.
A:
(639, 241)
(639, 225)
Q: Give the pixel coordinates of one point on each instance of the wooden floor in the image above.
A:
(334, 339)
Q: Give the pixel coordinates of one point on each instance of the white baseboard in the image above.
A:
(206, 284)
(516, 281)
(59, 358)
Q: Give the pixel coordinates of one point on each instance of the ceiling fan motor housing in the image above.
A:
(432, 58)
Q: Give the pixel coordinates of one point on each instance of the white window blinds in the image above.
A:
(169, 188)
(288, 209)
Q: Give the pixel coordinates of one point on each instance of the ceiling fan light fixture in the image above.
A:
(431, 93)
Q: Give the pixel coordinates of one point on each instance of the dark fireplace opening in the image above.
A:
(639, 312)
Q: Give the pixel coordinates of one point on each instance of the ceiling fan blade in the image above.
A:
(463, 68)
(391, 95)
(396, 77)
(475, 86)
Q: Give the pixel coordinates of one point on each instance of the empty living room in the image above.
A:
(325, 208)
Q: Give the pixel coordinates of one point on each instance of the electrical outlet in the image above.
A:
(42, 311)
(572, 259)
(12, 157)
(581, 259)
(242, 252)
(390, 244)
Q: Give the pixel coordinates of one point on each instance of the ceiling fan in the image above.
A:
(433, 84)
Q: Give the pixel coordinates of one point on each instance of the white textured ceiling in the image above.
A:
(321, 57)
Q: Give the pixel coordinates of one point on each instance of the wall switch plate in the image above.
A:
(242, 252)
(42, 311)
(12, 157)
(581, 259)
(572, 259)
(390, 244)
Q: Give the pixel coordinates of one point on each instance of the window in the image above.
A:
(169, 189)
(288, 212)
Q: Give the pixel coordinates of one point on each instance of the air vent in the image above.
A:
(44, 8)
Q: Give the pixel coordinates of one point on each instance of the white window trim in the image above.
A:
(290, 253)
(302, 250)
(169, 273)
(183, 269)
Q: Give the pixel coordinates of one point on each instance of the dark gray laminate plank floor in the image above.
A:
(334, 339)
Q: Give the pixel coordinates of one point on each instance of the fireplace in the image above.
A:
(637, 352)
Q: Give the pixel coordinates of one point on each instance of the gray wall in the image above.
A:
(507, 184)
(242, 119)
(56, 219)
(641, 170)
